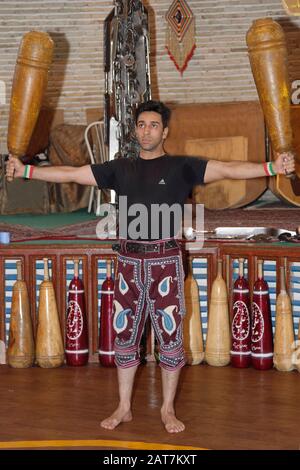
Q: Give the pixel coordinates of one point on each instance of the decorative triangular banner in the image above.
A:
(180, 38)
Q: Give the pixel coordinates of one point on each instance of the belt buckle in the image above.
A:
(153, 248)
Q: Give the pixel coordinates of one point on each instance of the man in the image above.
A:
(149, 278)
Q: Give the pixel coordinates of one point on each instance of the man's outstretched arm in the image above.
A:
(217, 170)
(52, 174)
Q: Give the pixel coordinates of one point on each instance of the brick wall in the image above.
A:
(219, 70)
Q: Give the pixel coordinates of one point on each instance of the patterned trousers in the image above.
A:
(149, 284)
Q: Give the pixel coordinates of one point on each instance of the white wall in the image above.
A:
(219, 70)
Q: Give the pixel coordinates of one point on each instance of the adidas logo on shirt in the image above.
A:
(162, 181)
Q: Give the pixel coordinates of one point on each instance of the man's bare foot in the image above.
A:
(172, 424)
(119, 416)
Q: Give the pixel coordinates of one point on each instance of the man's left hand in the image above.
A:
(284, 163)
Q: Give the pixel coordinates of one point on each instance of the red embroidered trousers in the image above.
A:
(149, 284)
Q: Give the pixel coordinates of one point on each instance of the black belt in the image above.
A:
(132, 247)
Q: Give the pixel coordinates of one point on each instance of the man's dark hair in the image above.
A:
(156, 107)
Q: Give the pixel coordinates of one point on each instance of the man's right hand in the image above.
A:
(14, 168)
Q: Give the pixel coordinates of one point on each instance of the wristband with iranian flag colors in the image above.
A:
(269, 170)
(28, 171)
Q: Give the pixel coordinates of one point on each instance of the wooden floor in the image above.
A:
(223, 408)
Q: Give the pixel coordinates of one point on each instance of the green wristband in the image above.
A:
(28, 172)
(271, 169)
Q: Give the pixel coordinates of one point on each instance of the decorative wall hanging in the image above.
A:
(180, 38)
(292, 7)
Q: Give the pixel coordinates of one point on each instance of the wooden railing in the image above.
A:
(91, 253)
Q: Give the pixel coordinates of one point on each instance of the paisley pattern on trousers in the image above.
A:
(149, 286)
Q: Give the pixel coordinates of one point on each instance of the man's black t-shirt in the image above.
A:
(163, 180)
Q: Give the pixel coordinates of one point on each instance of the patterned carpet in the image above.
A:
(21, 232)
(288, 219)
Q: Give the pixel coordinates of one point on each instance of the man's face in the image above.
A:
(149, 131)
